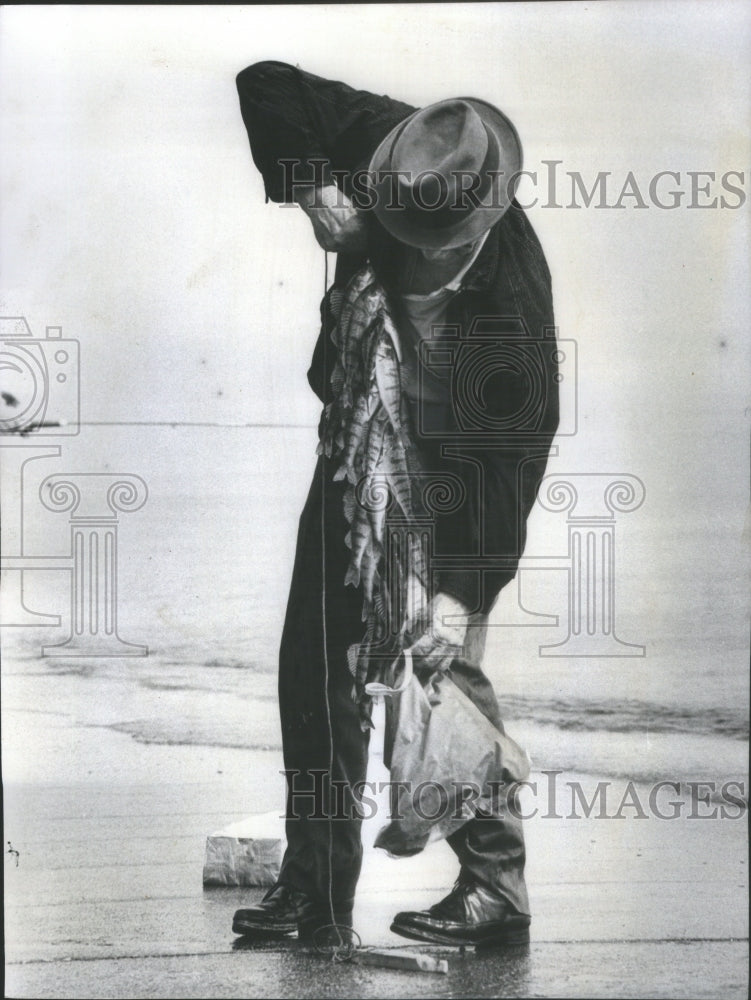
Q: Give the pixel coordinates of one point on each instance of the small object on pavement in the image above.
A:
(407, 960)
(248, 853)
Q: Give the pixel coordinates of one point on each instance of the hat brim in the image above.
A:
(405, 226)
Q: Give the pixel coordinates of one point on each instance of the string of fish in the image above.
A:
(367, 429)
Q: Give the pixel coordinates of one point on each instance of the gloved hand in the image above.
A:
(443, 638)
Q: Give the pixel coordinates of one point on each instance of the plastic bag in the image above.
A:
(443, 754)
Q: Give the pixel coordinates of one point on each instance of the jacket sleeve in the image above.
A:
(321, 125)
(492, 524)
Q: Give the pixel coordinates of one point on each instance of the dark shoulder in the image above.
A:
(511, 273)
(261, 72)
(517, 235)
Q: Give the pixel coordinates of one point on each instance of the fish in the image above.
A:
(366, 309)
(366, 429)
(372, 344)
(348, 503)
(359, 537)
(373, 443)
(370, 406)
(358, 315)
(335, 302)
(337, 378)
(364, 277)
(394, 467)
(353, 652)
(386, 369)
(391, 332)
(358, 425)
(377, 511)
(368, 574)
(371, 458)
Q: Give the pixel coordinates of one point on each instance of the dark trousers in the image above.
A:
(325, 750)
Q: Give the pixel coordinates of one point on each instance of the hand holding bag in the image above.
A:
(445, 757)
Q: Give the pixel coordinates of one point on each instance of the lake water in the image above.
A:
(203, 573)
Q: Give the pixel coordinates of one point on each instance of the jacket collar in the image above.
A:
(483, 271)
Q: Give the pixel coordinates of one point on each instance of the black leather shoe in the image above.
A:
(469, 915)
(279, 912)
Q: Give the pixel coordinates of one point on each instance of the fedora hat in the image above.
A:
(446, 173)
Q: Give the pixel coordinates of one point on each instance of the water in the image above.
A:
(203, 576)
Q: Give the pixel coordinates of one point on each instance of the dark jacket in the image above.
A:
(501, 409)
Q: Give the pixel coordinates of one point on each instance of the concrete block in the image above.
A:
(248, 853)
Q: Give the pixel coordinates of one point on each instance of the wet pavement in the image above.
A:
(106, 901)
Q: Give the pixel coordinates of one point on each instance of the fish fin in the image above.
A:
(353, 653)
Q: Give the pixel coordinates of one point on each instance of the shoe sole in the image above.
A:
(263, 930)
(492, 940)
